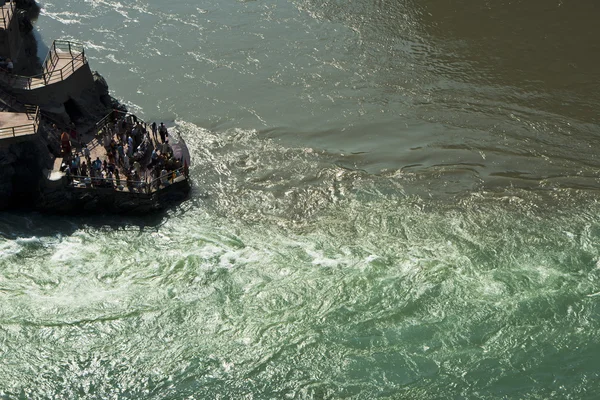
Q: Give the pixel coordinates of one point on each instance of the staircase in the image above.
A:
(8, 102)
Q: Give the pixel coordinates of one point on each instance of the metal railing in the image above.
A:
(144, 186)
(75, 52)
(7, 11)
(59, 49)
(33, 114)
(107, 119)
(111, 116)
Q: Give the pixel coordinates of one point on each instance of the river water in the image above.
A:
(391, 199)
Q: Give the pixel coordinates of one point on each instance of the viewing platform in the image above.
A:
(59, 159)
(63, 60)
(153, 167)
(18, 121)
(18, 126)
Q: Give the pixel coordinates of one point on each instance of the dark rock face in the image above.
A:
(24, 165)
(31, 8)
(7, 171)
(27, 62)
(21, 171)
(100, 83)
(27, 175)
(25, 24)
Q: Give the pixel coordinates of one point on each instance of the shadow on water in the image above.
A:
(27, 222)
(15, 224)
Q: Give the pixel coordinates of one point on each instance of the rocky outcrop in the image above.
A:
(27, 63)
(95, 102)
(85, 109)
(7, 171)
(30, 7)
(26, 163)
(22, 166)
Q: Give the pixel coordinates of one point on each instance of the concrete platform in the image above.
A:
(16, 125)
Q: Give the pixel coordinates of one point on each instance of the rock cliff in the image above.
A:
(24, 165)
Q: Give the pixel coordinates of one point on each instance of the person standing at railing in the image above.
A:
(126, 163)
(86, 154)
(65, 143)
(162, 129)
(153, 159)
(135, 135)
(164, 177)
(127, 178)
(137, 167)
(164, 148)
(154, 131)
(129, 146)
(106, 141)
(74, 167)
(117, 158)
(68, 175)
(109, 179)
(97, 164)
(55, 131)
(77, 160)
(9, 66)
(121, 153)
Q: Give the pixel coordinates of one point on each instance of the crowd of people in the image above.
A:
(131, 159)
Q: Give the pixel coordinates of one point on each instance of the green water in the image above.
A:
(383, 207)
(378, 299)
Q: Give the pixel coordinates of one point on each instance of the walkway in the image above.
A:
(64, 58)
(19, 125)
(147, 183)
(17, 121)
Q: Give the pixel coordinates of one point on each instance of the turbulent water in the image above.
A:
(391, 199)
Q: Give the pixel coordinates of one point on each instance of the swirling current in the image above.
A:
(391, 200)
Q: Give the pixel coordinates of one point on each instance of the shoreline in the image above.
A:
(56, 115)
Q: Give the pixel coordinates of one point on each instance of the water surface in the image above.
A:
(392, 199)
